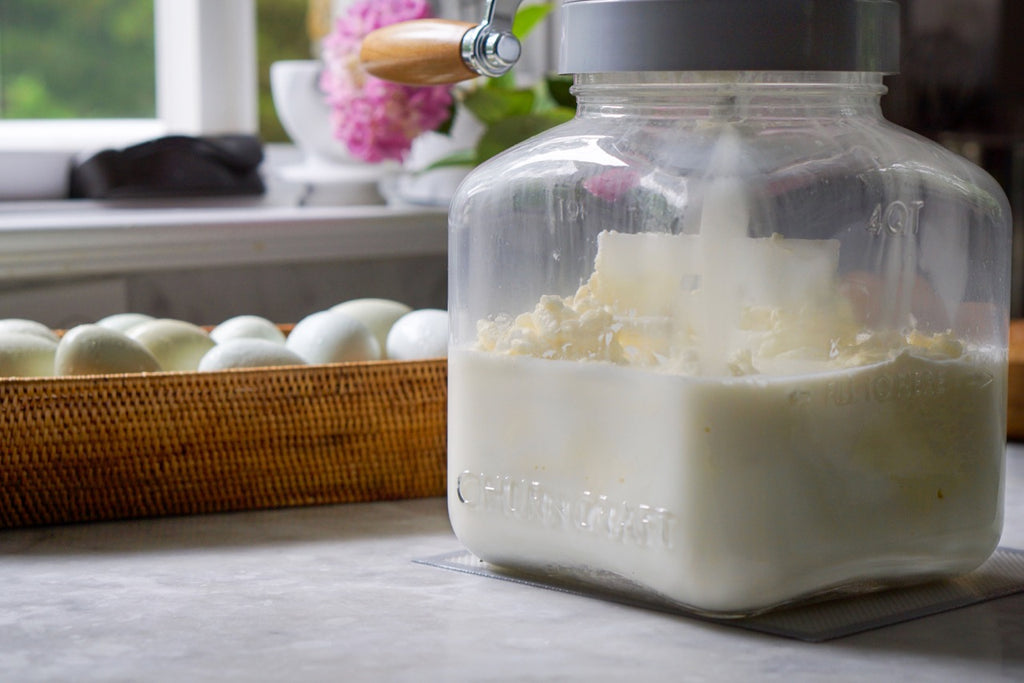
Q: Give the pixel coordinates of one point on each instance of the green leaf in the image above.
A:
(446, 126)
(514, 129)
(528, 17)
(506, 81)
(491, 105)
(462, 157)
(558, 88)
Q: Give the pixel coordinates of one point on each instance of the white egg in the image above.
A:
(248, 353)
(332, 337)
(177, 345)
(377, 314)
(95, 350)
(419, 335)
(23, 354)
(27, 327)
(122, 322)
(247, 327)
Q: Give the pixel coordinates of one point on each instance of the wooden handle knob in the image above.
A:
(420, 52)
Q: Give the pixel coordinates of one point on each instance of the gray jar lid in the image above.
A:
(729, 35)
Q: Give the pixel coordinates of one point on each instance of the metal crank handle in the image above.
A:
(437, 51)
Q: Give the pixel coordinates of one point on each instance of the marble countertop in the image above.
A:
(332, 594)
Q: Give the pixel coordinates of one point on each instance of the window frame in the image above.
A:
(206, 84)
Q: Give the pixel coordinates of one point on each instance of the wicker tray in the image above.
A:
(119, 446)
(1015, 383)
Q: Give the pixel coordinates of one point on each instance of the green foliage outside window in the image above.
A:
(280, 34)
(81, 59)
(95, 58)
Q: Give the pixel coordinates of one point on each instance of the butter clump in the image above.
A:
(651, 303)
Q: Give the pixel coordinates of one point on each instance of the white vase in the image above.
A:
(305, 116)
(328, 174)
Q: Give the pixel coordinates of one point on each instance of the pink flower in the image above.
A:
(376, 119)
(612, 183)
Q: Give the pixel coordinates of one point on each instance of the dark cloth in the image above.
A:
(172, 166)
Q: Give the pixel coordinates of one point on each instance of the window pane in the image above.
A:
(77, 59)
(282, 30)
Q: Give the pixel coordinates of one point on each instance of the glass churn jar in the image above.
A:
(729, 338)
